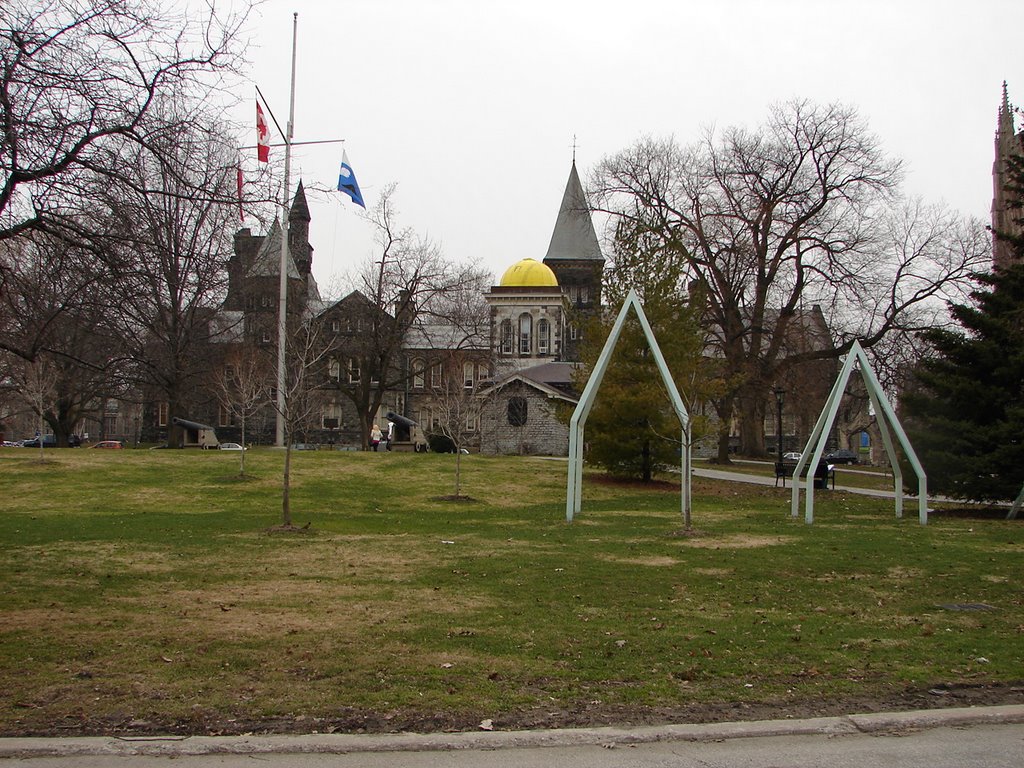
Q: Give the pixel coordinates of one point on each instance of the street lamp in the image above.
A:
(780, 394)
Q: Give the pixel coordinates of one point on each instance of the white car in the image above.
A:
(230, 447)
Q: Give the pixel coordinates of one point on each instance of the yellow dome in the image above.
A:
(529, 273)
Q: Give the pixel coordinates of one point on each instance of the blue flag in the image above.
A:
(347, 181)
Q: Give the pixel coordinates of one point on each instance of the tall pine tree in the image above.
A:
(965, 414)
(632, 431)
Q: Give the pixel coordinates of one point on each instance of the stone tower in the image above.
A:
(1006, 207)
(575, 257)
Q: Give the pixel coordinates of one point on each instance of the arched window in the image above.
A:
(506, 337)
(525, 334)
(417, 374)
(543, 337)
(517, 411)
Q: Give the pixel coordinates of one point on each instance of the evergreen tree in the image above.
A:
(632, 430)
(965, 413)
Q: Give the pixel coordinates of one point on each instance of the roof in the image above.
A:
(529, 273)
(553, 379)
(268, 259)
(300, 208)
(574, 237)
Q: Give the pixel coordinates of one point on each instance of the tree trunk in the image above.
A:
(286, 510)
(751, 413)
(241, 466)
(723, 408)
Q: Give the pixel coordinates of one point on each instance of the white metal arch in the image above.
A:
(574, 490)
(886, 419)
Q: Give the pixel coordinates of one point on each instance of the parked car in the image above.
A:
(50, 441)
(842, 456)
(230, 447)
(791, 456)
(108, 444)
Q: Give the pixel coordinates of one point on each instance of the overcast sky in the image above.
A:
(471, 105)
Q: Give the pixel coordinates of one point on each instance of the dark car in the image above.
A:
(50, 441)
(842, 456)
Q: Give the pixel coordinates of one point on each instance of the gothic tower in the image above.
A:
(1006, 207)
(575, 257)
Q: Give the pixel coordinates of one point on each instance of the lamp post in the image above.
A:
(780, 394)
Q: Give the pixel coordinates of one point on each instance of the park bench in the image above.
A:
(822, 475)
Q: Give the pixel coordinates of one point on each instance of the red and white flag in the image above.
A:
(262, 136)
(240, 178)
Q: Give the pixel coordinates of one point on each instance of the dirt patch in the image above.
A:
(585, 714)
(739, 541)
(654, 562)
(459, 498)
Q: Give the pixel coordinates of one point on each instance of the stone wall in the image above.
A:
(542, 433)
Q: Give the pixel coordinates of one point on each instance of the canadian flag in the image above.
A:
(262, 136)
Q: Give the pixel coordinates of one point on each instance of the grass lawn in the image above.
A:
(143, 593)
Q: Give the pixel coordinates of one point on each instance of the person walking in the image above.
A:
(375, 436)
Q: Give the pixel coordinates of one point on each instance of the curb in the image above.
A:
(490, 740)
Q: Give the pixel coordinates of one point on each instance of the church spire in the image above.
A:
(574, 236)
(300, 208)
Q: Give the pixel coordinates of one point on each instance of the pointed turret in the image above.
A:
(300, 208)
(574, 255)
(298, 232)
(1005, 206)
(574, 236)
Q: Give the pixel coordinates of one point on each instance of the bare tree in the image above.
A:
(77, 79)
(243, 387)
(168, 249)
(302, 398)
(456, 402)
(50, 313)
(410, 291)
(801, 212)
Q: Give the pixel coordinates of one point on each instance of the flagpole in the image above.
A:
(282, 317)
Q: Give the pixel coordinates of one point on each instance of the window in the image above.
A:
(543, 337)
(483, 374)
(472, 424)
(225, 418)
(584, 294)
(374, 377)
(229, 373)
(467, 375)
(353, 371)
(517, 411)
(572, 332)
(264, 301)
(266, 337)
(250, 302)
(525, 334)
(506, 337)
(331, 417)
(335, 325)
(334, 369)
(110, 425)
(162, 414)
(417, 374)
(435, 375)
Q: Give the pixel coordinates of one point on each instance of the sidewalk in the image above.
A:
(176, 746)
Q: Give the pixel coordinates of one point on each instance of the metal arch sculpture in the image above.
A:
(886, 419)
(574, 490)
